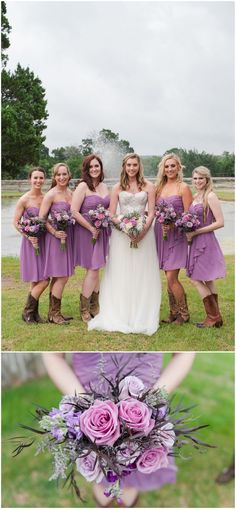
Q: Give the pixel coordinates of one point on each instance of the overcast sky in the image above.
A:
(158, 73)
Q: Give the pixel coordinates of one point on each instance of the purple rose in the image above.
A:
(152, 459)
(131, 386)
(88, 466)
(127, 453)
(136, 415)
(100, 422)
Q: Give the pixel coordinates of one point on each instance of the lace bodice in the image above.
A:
(129, 202)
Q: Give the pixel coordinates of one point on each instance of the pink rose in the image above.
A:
(100, 423)
(136, 415)
(152, 459)
(88, 466)
(131, 386)
(97, 223)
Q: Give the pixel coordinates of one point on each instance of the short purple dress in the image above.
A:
(172, 252)
(31, 265)
(90, 368)
(86, 254)
(205, 258)
(59, 263)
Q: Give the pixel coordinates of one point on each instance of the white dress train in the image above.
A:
(130, 293)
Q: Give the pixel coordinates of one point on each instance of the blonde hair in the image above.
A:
(55, 171)
(124, 179)
(161, 177)
(205, 172)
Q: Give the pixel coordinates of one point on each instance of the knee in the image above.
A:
(46, 283)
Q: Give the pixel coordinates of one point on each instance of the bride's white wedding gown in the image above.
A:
(130, 293)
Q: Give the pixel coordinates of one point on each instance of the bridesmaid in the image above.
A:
(58, 264)
(205, 261)
(32, 266)
(90, 192)
(173, 251)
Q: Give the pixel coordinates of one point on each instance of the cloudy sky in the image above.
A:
(158, 73)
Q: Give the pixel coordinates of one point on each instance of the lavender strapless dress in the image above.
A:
(31, 265)
(172, 252)
(59, 263)
(85, 253)
(205, 258)
(90, 368)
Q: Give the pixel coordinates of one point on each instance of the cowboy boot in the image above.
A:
(215, 295)
(94, 304)
(55, 312)
(213, 318)
(28, 314)
(84, 308)
(37, 316)
(173, 308)
(183, 312)
(66, 318)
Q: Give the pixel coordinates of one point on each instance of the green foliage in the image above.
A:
(219, 165)
(6, 28)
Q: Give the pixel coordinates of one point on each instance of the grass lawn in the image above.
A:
(17, 335)
(210, 384)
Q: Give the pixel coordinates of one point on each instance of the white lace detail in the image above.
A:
(130, 201)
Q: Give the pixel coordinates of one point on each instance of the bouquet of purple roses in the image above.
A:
(32, 226)
(60, 220)
(165, 214)
(109, 436)
(188, 222)
(100, 218)
(132, 224)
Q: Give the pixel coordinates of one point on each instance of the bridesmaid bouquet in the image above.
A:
(32, 226)
(188, 222)
(132, 224)
(107, 437)
(60, 220)
(165, 214)
(100, 218)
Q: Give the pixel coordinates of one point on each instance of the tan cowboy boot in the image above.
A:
(215, 295)
(94, 304)
(28, 314)
(55, 312)
(213, 318)
(37, 316)
(173, 308)
(183, 312)
(66, 318)
(84, 309)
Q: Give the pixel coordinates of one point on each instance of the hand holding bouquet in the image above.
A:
(32, 226)
(132, 224)
(165, 215)
(188, 223)
(60, 220)
(100, 218)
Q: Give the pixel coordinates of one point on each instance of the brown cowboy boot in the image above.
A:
(55, 312)
(28, 314)
(84, 309)
(213, 318)
(94, 304)
(66, 318)
(183, 312)
(173, 308)
(215, 295)
(37, 316)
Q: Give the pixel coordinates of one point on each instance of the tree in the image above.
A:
(6, 28)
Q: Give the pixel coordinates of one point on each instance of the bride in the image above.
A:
(130, 292)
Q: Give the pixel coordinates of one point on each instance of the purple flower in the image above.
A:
(130, 386)
(58, 433)
(111, 476)
(136, 415)
(100, 422)
(167, 435)
(89, 467)
(73, 423)
(152, 459)
(161, 412)
(128, 453)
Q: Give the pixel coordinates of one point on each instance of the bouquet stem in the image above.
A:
(36, 250)
(94, 240)
(63, 245)
(133, 244)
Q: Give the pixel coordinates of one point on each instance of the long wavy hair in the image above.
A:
(85, 171)
(161, 177)
(55, 172)
(203, 171)
(124, 179)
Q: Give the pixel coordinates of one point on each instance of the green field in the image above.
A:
(17, 335)
(210, 384)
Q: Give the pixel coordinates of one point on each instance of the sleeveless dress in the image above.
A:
(59, 263)
(31, 265)
(85, 253)
(90, 368)
(205, 258)
(172, 252)
(130, 293)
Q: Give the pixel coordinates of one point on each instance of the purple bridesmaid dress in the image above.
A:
(86, 254)
(90, 368)
(205, 258)
(59, 263)
(31, 265)
(172, 252)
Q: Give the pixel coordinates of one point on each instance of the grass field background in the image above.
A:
(17, 335)
(210, 384)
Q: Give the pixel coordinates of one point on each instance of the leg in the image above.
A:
(201, 287)
(30, 312)
(90, 283)
(129, 496)
(177, 289)
(172, 305)
(210, 302)
(212, 286)
(36, 291)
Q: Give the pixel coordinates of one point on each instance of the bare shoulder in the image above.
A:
(149, 186)
(23, 200)
(212, 198)
(81, 188)
(116, 188)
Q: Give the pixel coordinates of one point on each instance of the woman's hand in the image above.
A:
(166, 228)
(95, 232)
(59, 234)
(190, 235)
(33, 240)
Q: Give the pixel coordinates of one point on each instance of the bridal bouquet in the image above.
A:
(60, 220)
(188, 223)
(32, 226)
(165, 214)
(132, 224)
(100, 218)
(107, 437)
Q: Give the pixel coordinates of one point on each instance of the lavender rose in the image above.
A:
(100, 422)
(127, 453)
(136, 415)
(152, 459)
(88, 466)
(131, 386)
